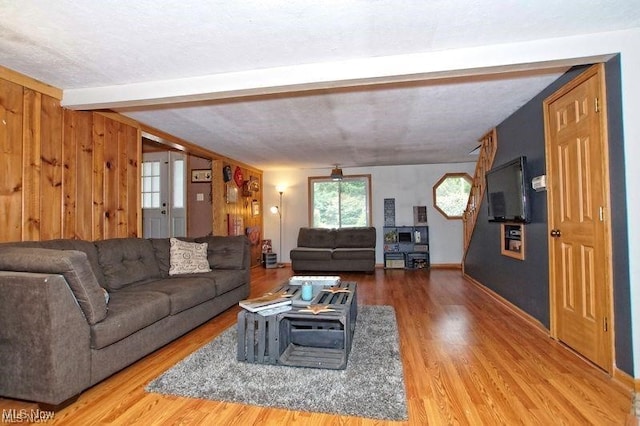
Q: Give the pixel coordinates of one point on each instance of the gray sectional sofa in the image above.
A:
(335, 250)
(74, 312)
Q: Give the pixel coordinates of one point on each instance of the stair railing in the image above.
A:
(488, 147)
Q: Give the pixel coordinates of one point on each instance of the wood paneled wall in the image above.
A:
(65, 174)
(75, 174)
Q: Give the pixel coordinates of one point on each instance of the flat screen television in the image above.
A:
(507, 192)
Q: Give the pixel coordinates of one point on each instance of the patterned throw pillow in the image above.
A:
(187, 258)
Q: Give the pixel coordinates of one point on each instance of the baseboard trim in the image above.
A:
(507, 304)
(457, 266)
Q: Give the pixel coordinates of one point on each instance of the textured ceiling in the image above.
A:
(287, 90)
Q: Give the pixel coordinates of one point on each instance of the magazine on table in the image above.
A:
(267, 301)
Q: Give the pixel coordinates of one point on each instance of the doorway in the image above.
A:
(579, 226)
(163, 194)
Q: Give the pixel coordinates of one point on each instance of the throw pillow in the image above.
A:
(187, 258)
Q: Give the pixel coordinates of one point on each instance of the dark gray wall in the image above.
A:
(619, 231)
(525, 283)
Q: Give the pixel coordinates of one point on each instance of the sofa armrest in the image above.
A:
(44, 339)
(73, 265)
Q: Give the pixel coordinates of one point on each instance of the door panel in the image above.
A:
(579, 250)
(163, 195)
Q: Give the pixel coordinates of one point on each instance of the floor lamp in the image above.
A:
(278, 209)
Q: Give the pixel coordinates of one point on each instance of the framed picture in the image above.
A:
(201, 175)
(255, 208)
(232, 193)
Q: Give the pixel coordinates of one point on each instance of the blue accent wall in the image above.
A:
(525, 283)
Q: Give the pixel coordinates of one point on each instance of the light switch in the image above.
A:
(199, 196)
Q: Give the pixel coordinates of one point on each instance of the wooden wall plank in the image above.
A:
(31, 146)
(122, 187)
(11, 164)
(98, 137)
(110, 178)
(85, 188)
(78, 175)
(51, 167)
(69, 176)
(218, 199)
(134, 152)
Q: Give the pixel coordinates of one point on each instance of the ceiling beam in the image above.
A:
(454, 63)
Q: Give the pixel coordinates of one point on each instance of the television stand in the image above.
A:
(512, 240)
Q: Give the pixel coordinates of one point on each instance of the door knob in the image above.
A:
(555, 233)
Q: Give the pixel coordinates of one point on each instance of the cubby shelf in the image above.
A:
(512, 240)
(406, 247)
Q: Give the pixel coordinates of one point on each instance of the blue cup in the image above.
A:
(307, 291)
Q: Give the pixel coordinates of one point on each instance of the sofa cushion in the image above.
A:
(353, 253)
(356, 237)
(127, 260)
(225, 252)
(184, 292)
(188, 258)
(317, 238)
(73, 265)
(226, 279)
(310, 253)
(129, 311)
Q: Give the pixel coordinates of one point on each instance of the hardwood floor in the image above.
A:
(467, 359)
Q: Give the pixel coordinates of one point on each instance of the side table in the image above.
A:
(270, 260)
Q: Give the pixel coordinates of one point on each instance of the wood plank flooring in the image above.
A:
(468, 360)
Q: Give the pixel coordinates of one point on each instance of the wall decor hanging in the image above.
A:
(254, 184)
(253, 232)
(226, 173)
(200, 175)
(237, 176)
(232, 193)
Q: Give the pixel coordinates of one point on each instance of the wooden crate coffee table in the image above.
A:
(300, 337)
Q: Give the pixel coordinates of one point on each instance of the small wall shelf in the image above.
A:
(512, 240)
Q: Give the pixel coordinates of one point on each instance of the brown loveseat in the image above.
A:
(60, 335)
(335, 250)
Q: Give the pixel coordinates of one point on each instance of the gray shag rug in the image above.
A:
(371, 386)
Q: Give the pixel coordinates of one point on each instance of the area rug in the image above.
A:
(371, 386)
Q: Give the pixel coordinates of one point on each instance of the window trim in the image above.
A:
(312, 179)
(444, 177)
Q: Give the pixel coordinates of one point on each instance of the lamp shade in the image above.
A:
(336, 173)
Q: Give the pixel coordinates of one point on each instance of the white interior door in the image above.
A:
(163, 195)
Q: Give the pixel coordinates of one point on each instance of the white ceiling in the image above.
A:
(303, 84)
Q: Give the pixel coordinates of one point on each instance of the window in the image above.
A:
(178, 184)
(451, 193)
(340, 204)
(150, 184)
